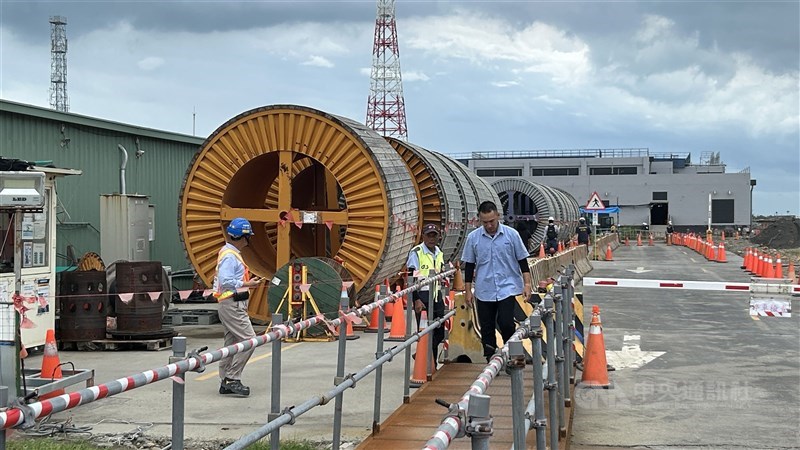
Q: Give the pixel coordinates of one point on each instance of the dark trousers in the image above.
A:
(491, 313)
(437, 336)
(552, 243)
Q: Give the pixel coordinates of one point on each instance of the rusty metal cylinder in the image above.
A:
(83, 306)
(141, 314)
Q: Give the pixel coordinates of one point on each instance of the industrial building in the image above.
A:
(637, 185)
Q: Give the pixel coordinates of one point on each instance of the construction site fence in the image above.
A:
(23, 414)
(470, 416)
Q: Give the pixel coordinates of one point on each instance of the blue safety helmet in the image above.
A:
(239, 227)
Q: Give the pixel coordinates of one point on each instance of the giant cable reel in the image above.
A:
(312, 184)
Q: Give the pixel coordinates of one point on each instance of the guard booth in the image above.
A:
(38, 243)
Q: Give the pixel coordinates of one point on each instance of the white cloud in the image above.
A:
(150, 63)
(318, 61)
(494, 43)
(549, 100)
(414, 75)
(504, 84)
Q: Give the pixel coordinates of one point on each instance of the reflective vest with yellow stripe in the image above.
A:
(218, 293)
(427, 262)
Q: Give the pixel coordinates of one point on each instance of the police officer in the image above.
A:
(670, 230)
(422, 258)
(583, 231)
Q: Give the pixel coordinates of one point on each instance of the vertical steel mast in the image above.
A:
(58, 64)
(386, 110)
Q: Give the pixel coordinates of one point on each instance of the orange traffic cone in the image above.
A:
(375, 317)
(778, 267)
(639, 240)
(458, 279)
(627, 243)
(595, 369)
(541, 250)
(723, 236)
(560, 247)
(721, 258)
(51, 366)
(398, 331)
(420, 375)
(609, 256)
(650, 240)
(769, 271)
(746, 259)
(791, 274)
(387, 311)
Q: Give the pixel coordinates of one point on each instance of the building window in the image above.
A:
(612, 171)
(722, 211)
(659, 196)
(499, 172)
(555, 171)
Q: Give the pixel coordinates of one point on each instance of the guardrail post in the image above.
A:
(514, 366)
(337, 411)
(178, 393)
(376, 408)
(433, 296)
(558, 322)
(566, 322)
(275, 389)
(409, 321)
(479, 422)
(3, 402)
(570, 272)
(540, 422)
(552, 384)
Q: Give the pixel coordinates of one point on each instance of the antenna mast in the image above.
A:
(386, 110)
(58, 64)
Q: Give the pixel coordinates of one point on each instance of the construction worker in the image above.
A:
(422, 258)
(232, 276)
(583, 231)
(551, 234)
(670, 230)
(496, 258)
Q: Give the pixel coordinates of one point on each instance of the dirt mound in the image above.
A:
(783, 233)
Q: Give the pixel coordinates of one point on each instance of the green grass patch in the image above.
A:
(49, 444)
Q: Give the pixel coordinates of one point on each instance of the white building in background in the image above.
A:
(647, 187)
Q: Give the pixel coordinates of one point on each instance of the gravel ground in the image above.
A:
(780, 235)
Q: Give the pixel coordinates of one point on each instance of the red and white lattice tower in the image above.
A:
(386, 109)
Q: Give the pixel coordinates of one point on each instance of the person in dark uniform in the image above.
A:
(583, 231)
(551, 234)
(670, 230)
(423, 258)
(524, 234)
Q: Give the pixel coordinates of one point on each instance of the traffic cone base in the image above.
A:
(51, 366)
(595, 368)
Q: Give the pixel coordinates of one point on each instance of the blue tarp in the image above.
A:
(608, 210)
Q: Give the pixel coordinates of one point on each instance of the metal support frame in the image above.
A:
(479, 422)
(407, 358)
(540, 422)
(376, 408)
(552, 383)
(178, 394)
(337, 410)
(275, 388)
(514, 367)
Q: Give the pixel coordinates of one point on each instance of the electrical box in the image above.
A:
(124, 227)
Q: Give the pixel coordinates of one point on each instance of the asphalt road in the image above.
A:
(724, 380)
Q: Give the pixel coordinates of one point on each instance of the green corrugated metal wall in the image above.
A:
(35, 134)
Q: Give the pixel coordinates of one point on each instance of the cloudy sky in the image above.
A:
(677, 76)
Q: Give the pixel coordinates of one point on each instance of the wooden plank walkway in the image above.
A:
(411, 425)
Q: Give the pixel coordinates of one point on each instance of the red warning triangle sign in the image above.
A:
(594, 203)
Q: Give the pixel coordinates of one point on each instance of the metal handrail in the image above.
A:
(26, 414)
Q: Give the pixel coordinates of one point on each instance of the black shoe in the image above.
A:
(610, 368)
(234, 387)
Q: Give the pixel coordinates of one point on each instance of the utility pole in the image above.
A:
(58, 64)
(386, 110)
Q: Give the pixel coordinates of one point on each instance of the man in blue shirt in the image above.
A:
(496, 259)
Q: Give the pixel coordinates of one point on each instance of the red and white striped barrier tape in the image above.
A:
(776, 288)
